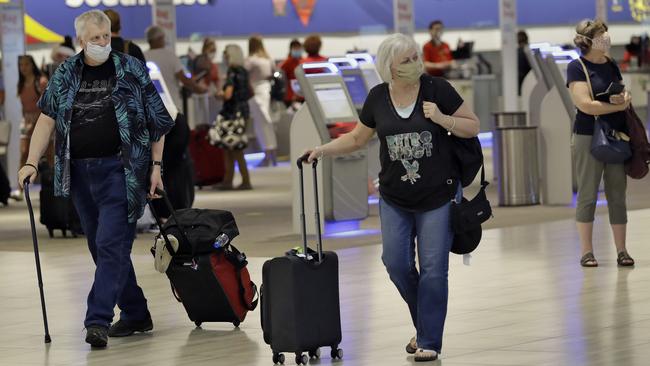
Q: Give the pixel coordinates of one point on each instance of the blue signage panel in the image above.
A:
(245, 17)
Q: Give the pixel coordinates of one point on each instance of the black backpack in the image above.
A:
(278, 86)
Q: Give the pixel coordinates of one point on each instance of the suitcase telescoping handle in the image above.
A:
(303, 160)
(170, 208)
(37, 257)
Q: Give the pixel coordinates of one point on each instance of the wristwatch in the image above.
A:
(156, 162)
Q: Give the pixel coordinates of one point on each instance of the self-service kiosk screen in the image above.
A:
(356, 88)
(334, 102)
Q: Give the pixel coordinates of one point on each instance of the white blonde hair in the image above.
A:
(96, 17)
(392, 47)
(235, 55)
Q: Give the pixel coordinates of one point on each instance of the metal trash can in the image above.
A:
(515, 160)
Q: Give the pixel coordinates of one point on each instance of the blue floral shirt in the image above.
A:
(141, 118)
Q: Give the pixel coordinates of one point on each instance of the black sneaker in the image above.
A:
(97, 336)
(124, 329)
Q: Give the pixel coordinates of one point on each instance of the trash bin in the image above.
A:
(515, 160)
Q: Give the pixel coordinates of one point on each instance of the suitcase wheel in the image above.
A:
(314, 354)
(336, 353)
(236, 323)
(278, 358)
(301, 359)
(198, 324)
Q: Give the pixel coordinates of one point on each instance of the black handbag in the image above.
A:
(467, 217)
(607, 145)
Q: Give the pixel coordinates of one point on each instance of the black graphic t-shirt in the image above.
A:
(415, 170)
(94, 132)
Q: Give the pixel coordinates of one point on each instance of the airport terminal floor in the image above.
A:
(523, 300)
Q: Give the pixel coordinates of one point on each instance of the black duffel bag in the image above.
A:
(197, 229)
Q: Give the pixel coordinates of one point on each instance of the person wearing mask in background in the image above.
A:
(436, 53)
(593, 40)
(31, 84)
(236, 93)
(523, 66)
(109, 146)
(169, 65)
(289, 66)
(260, 69)
(205, 65)
(118, 43)
(417, 181)
(312, 46)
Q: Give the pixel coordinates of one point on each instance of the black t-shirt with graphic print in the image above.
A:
(94, 131)
(415, 169)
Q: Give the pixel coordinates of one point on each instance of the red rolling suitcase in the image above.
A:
(300, 297)
(209, 164)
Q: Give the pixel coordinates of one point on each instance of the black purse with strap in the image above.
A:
(467, 217)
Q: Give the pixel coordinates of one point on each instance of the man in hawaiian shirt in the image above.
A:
(110, 125)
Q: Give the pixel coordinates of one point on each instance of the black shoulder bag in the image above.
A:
(467, 217)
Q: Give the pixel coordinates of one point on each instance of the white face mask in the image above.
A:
(97, 53)
(602, 43)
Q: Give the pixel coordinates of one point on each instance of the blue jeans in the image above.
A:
(426, 291)
(98, 190)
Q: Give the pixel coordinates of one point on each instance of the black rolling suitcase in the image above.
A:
(57, 213)
(300, 297)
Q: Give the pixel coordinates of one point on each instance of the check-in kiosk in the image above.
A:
(327, 113)
(353, 78)
(160, 85)
(371, 78)
(367, 66)
(556, 115)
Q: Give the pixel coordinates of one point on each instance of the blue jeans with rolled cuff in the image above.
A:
(98, 190)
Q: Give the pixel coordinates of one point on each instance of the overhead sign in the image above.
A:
(115, 3)
(51, 19)
(404, 19)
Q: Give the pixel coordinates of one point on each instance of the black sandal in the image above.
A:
(624, 259)
(588, 260)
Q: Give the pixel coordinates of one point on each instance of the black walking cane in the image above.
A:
(38, 259)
